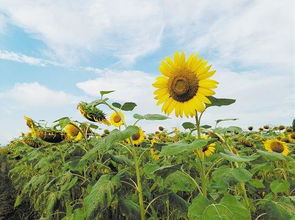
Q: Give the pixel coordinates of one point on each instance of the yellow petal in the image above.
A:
(206, 92)
(208, 83)
(206, 75)
(161, 82)
(165, 69)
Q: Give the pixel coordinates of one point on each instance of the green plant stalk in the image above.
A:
(244, 191)
(202, 172)
(139, 187)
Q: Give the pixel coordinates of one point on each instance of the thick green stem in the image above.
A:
(139, 187)
(204, 180)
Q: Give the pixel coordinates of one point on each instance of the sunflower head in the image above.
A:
(137, 138)
(185, 85)
(117, 119)
(292, 137)
(277, 146)
(71, 130)
(206, 150)
(92, 113)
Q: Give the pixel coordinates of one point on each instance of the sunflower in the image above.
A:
(152, 150)
(117, 119)
(275, 145)
(291, 137)
(184, 86)
(138, 137)
(92, 113)
(72, 132)
(206, 151)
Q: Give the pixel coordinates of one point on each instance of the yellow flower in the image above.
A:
(184, 86)
(117, 119)
(152, 150)
(71, 130)
(291, 137)
(137, 138)
(206, 151)
(275, 145)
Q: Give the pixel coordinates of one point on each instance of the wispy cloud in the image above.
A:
(21, 58)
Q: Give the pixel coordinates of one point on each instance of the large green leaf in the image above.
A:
(228, 208)
(117, 136)
(100, 196)
(178, 181)
(178, 203)
(282, 209)
(278, 186)
(241, 174)
(235, 158)
(182, 146)
(219, 101)
(271, 155)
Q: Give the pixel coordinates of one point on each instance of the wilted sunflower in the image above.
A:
(138, 137)
(92, 113)
(275, 145)
(117, 119)
(185, 85)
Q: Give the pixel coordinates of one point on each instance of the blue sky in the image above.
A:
(55, 54)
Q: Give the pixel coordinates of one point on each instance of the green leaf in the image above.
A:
(257, 183)
(18, 201)
(69, 185)
(228, 208)
(100, 196)
(122, 159)
(196, 209)
(181, 146)
(279, 210)
(117, 136)
(178, 181)
(154, 117)
(188, 125)
(178, 203)
(219, 101)
(116, 105)
(106, 92)
(166, 170)
(271, 155)
(129, 209)
(241, 174)
(138, 116)
(235, 158)
(279, 186)
(206, 126)
(226, 119)
(128, 106)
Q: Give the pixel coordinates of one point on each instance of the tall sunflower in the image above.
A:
(275, 145)
(117, 119)
(184, 86)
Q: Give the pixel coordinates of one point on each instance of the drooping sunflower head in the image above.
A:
(184, 86)
(71, 130)
(138, 137)
(117, 119)
(277, 146)
(92, 113)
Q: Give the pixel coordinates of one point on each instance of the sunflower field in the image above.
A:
(73, 170)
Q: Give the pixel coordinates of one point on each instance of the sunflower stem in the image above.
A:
(139, 187)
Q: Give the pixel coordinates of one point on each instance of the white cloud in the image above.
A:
(37, 96)
(75, 27)
(248, 32)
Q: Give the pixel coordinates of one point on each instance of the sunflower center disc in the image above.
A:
(135, 136)
(180, 85)
(277, 147)
(183, 86)
(117, 119)
(205, 148)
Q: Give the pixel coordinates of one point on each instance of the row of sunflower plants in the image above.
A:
(73, 170)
